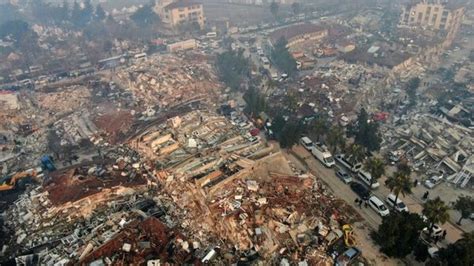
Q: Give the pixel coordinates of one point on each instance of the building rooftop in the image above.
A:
(182, 3)
(295, 30)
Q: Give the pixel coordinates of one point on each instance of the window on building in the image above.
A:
(436, 9)
(420, 16)
(182, 15)
(445, 13)
(180, 9)
(428, 10)
(433, 20)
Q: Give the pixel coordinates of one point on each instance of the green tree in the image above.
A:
(458, 253)
(357, 153)
(398, 183)
(296, 8)
(76, 14)
(255, 102)
(278, 124)
(9, 12)
(404, 168)
(145, 16)
(436, 211)
(376, 168)
(282, 58)
(366, 132)
(99, 13)
(290, 134)
(64, 11)
(232, 68)
(87, 12)
(14, 29)
(412, 86)
(398, 234)
(335, 139)
(274, 7)
(465, 205)
(319, 127)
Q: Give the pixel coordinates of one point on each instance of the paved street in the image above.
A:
(363, 229)
(343, 191)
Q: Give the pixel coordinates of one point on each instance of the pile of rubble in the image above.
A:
(253, 207)
(165, 81)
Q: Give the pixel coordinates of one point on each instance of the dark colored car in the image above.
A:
(347, 257)
(360, 190)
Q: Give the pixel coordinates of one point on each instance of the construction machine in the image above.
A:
(47, 163)
(18, 180)
(349, 238)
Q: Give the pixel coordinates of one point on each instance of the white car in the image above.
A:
(400, 206)
(437, 230)
(377, 205)
(433, 181)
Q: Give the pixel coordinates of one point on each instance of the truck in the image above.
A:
(321, 152)
(354, 167)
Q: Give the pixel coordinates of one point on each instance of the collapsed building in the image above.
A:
(431, 142)
(195, 188)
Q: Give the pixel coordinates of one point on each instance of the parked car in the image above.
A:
(437, 230)
(344, 176)
(400, 206)
(360, 190)
(347, 162)
(377, 205)
(367, 178)
(433, 181)
(306, 143)
(347, 257)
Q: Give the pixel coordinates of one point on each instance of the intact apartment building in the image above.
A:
(175, 13)
(435, 14)
(299, 33)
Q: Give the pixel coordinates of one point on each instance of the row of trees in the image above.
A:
(78, 15)
(145, 16)
(399, 236)
(399, 233)
(274, 8)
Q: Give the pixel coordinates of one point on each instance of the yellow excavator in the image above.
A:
(18, 180)
(349, 239)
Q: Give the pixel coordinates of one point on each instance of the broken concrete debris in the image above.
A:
(227, 198)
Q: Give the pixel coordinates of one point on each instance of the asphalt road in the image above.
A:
(372, 219)
(338, 187)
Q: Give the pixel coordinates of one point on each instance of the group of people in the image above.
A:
(360, 201)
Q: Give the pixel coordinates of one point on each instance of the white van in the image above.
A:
(378, 206)
(346, 162)
(400, 206)
(307, 143)
(366, 178)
